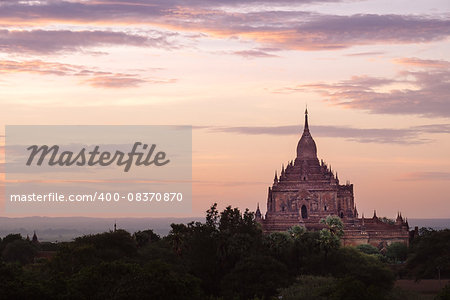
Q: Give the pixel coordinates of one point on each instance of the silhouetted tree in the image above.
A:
(330, 236)
(397, 252)
(429, 254)
(309, 287)
(122, 280)
(255, 276)
(145, 237)
(367, 249)
(361, 276)
(19, 250)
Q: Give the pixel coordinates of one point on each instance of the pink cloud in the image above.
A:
(93, 77)
(254, 53)
(423, 63)
(406, 136)
(425, 176)
(428, 95)
(54, 41)
(114, 81)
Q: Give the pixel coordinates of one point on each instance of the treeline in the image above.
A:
(226, 257)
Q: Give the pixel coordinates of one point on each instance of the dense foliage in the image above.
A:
(226, 257)
(430, 254)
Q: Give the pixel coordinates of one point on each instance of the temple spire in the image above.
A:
(306, 147)
(258, 212)
(306, 121)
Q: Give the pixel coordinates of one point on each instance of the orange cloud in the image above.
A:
(424, 63)
(114, 81)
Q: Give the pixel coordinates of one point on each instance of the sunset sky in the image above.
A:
(375, 76)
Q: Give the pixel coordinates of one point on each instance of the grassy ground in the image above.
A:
(423, 289)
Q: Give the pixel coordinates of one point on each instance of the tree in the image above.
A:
(387, 220)
(348, 274)
(21, 251)
(278, 244)
(17, 282)
(330, 236)
(196, 245)
(110, 245)
(93, 249)
(429, 254)
(212, 216)
(308, 287)
(8, 239)
(397, 252)
(255, 276)
(334, 225)
(145, 237)
(367, 249)
(361, 276)
(296, 231)
(210, 250)
(177, 236)
(123, 280)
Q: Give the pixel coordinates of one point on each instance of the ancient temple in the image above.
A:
(307, 191)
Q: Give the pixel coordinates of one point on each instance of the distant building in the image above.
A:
(307, 190)
(34, 239)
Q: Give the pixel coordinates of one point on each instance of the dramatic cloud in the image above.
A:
(288, 29)
(154, 6)
(425, 93)
(302, 31)
(52, 41)
(90, 76)
(412, 135)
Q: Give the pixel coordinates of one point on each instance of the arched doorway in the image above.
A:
(342, 215)
(304, 212)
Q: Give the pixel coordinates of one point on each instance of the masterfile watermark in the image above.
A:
(98, 170)
(103, 197)
(95, 157)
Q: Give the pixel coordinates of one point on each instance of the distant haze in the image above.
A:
(66, 229)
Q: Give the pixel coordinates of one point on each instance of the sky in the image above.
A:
(375, 76)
